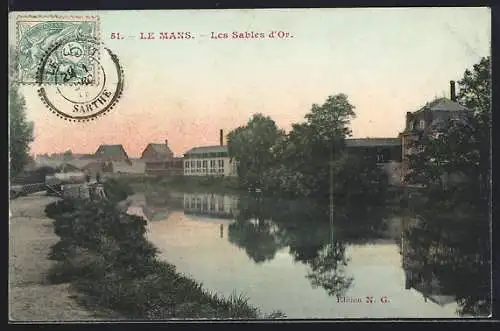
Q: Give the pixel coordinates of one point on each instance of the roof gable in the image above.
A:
(443, 104)
(161, 149)
(111, 150)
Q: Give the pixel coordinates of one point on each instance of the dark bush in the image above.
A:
(60, 207)
(117, 189)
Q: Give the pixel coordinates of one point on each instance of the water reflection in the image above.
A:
(443, 258)
(446, 257)
(212, 205)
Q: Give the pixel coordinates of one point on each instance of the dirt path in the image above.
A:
(31, 235)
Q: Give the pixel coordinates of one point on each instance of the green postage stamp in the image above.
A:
(38, 35)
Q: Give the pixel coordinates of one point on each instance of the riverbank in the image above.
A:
(31, 296)
(104, 252)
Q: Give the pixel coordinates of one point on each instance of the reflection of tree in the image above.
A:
(256, 238)
(264, 226)
(327, 269)
(448, 253)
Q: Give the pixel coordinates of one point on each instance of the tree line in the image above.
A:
(303, 161)
(311, 160)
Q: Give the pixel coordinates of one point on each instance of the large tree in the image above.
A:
(20, 129)
(252, 147)
(320, 140)
(475, 93)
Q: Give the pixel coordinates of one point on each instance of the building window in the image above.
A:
(205, 164)
(411, 125)
(198, 164)
(186, 164)
(221, 163)
(421, 124)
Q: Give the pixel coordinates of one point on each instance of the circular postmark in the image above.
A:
(79, 79)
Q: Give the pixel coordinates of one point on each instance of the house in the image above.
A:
(209, 161)
(159, 160)
(173, 167)
(386, 152)
(429, 120)
(108, 153)
(157, 152)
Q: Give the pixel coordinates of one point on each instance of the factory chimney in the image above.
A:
(453, 95)
(221, 137)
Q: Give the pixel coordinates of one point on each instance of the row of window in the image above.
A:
(205, 205)
(203, 164)
(421, 125)
(210, 205)
(204, 171)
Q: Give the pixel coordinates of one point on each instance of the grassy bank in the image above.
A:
(104, 253)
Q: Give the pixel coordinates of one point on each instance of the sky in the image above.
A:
(387, 61)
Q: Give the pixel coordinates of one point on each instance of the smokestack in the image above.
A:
(453, 95)
(221, 137)
(408, 117)
(166, 142)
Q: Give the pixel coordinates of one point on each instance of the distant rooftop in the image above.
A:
(443, 104)
(372, 142)
(207, 149)
(111, 150)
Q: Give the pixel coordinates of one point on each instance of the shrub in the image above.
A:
(117, 189)
(60, 207)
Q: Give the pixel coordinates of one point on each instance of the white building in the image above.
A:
(209, 161)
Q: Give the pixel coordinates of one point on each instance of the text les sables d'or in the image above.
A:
(278, 34)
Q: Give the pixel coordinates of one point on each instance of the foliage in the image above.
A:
(105, 254)
(298, 163)
(68, 155)
(358, 180)
(117, 189)
(252, 147)
(328, 268)
(475, 93)
(20, 129)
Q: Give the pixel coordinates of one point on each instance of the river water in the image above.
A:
(290, 257)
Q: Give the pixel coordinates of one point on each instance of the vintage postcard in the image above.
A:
(250, 164)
